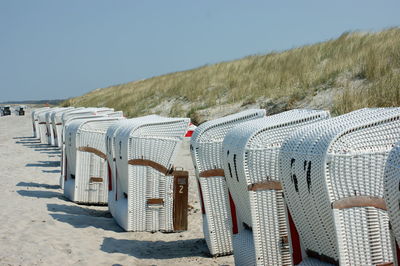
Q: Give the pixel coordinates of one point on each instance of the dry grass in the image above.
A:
(373, 58)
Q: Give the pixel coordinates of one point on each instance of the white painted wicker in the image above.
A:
(68, 117)
(392, 192)
(154, 140)
(206, 150)
(56, 122)
(250, 153)
(86, 178)
(35, 121)
(112, 131)
(43, 134)
(332, 175)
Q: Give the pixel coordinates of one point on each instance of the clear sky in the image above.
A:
(53, 49)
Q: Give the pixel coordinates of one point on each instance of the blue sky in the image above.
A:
(58, 49)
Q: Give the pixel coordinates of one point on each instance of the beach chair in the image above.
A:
(86, 178)
(392, 195)
(55, 120)
(20, 110)
(332, 175)
(35, 121)
(250, 155)
(206, 150)
(42, 122)
(147, 193)
(112, 131)
(86, 113)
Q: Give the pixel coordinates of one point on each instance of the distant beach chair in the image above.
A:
(86, 178)
(43, 128)
(146, 192)
(20, 110)
(58, 123)
(85, 113)
(55, 121)
(332, 175)
(35, 121)
(206, 150)
(392, 194)
(250, 155)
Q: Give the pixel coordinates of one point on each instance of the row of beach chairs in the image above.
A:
(300, 187)
(126, 164)
(293, 188)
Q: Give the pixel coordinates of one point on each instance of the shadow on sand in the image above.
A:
(23, 138)
(78, 210)
(44, 164)
(41, 194)
(84, 220)
(32, 184)
(156, 249)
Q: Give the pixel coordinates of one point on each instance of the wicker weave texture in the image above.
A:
(341, 160)
(251, 156)
(206, 150)
(392, 190)
(151, 138)
(86, 150)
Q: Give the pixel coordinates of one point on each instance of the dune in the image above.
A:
(39, 226)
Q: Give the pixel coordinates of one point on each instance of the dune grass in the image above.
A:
(371, 58)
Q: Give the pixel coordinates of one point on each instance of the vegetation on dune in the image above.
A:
(371, 60)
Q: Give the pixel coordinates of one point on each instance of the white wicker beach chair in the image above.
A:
(87, 113)
(112, 131)
(206, 150)
(35, 121)
(42, 125)
(332, 176)
(392, 195)
(56, 124)
(250, 153)
(145, 187)
(86, 178)
(49, 125)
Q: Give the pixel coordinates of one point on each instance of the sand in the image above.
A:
(39, 226)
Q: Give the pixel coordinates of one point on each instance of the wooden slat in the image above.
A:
(155, 201)
(386, 264)
(212, 172)
(321, 257)
(96, 180)
(359, 201)
(149, 163)
(93, 150)
(180, 209)
(266, 185)
(42, 123)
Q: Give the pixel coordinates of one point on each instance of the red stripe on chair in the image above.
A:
(233, 214)
(294, 235)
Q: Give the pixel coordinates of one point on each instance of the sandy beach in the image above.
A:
(39, 226)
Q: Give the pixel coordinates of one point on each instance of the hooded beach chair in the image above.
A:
(43, 129)
(56, 124)
(206, 150)
(112, 131)
(392, 194)
(86, 178)
(332, 175)
(86, 113)
(148, 194)
(35, 121)
(250, 155)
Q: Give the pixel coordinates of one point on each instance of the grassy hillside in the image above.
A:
(353, 71)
